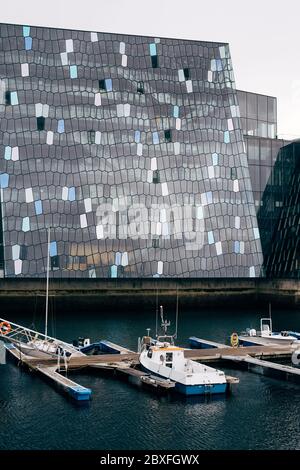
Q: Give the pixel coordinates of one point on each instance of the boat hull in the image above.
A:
(201, 389)
(212, 389)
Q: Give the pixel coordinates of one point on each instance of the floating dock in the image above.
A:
(2, 353)
(72, 389)
(250, 357)
(124, 363)
(267, 368)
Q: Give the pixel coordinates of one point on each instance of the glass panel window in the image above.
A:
(262, 108)
(252, 106)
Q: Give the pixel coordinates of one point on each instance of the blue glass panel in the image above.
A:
(152, 48)
(73, 71)
(4, 180)
(137, 137)
(219, 65)
(114, 271)
(118, 258)
(226, 137)
(209, 197)
(61, 126)
(28, 43)
(108, 84)
(215, 158)
(155, 138)
(38, 207)
(7, 153)
(72, 194)
(53, 249)
(211, 238)
(176, 111)
(14, 98)
(26, 31)
(25, 224)
(237, 247)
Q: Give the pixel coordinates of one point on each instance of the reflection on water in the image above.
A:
(261, 413)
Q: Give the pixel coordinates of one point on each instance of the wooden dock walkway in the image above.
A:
(213, 354)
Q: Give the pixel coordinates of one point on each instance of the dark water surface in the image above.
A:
(261, 413)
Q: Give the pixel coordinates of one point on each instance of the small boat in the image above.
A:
(266, 335)
(162, 358)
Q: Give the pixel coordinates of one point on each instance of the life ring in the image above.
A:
(5, 327)
(234, 340)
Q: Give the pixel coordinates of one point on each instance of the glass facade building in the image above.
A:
(279, 216)
(131, 149)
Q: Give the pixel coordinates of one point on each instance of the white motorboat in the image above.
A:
(266, 336)
(162, 358)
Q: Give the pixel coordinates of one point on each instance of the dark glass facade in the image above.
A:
(106, 138)
(279, 216)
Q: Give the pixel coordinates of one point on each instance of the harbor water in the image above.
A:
(260, 413)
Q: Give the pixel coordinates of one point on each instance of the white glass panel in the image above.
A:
(97, 99)
(98, 137)
(50, 137)
(211, 172)
(124, 261)
(65, 193)
(176, 148)
(164, 189)
(39, 109)
(219, 248)
(24, 70)
(83, 221)
(153, 164)
(94, 37)
(160, 267)
(15, 154)
(99, 232)
(64, 58)
(150, 176)
(69, 45)
(236, 186)
(124, 60)
(15, 252)
(122, 48)
(237, 222)
(181, 75)
(139, 149)
(88, 205)
(28, 195)
(189, 86)
(18, 267)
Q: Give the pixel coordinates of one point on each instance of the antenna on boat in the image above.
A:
(156, 314)
(176, 324)
(164, 323)
(47, 284)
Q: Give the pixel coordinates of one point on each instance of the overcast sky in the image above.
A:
(264, 35)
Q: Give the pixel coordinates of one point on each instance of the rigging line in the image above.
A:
(156, 313)
(176, 323)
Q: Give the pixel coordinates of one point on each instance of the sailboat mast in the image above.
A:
(47, 284)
